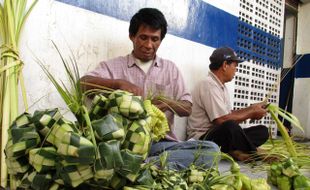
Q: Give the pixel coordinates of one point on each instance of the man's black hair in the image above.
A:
(150, 17)
(217, 65)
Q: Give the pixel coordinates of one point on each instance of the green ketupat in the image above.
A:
(126, 104)
(58, 131)
(259, 184)
(284, 182)
(235, 179)
(289, 168)
(109, 159)
(75, 148)
(301, 183)
(74, 175)
(98, 107)
(240, 181)
(45, 119)
(138, 138)
(145, 178)
(286, 175)
(17, 165)
(132, 165)
(108, 128)
(22, 137)
(158, 124)
(43, 159)
(196, 176)
(35, 180)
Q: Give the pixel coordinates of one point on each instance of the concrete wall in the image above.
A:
(289, 41)
(301, 106)
(303, 38)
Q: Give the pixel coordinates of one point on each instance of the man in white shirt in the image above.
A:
(212, 116)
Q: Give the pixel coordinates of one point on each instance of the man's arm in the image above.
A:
(182, 108)
(255, 112)
(87, 81)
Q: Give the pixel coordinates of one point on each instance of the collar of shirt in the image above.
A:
(214, 77)
(131, 61)
(145, 66)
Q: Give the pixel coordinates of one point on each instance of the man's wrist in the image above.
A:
(116, 84)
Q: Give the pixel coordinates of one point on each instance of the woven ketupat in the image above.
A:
(35, 180)
(22, 137)
(43, 159)
(145, 178)
(110, 159)
(117, 182)
(132, 165)
(45, 119)
(58, 131)
(138, 139)
(108, 128)
(99, 107)
(171, 179)
(17, 165)
(71, 145)
(68, 158)
(122, 120)
(74, 175)
(75, 148)
(126, 104)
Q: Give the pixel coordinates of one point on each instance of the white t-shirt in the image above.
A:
(145, 66)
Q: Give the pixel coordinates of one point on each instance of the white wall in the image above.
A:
(301, 105)
(303, 37)
(230, 6)
(289, 41)
(301, 100)
(69, 27)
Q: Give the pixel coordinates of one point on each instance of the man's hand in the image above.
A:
(160, 105)
(258, 110)
(90, 82)
(128, 86)
(182, 108)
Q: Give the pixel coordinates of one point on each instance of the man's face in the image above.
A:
(231, 70)
(146, 42)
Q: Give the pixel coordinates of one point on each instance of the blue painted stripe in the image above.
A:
(210, 26)
(205, 24)
(302, 67)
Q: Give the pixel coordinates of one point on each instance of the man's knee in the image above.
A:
(231, 125)
(210, 146)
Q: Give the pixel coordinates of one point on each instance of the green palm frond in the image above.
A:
(274, 111)
(72, 94)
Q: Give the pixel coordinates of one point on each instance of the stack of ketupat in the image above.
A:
(46, 151)
(286, 175)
